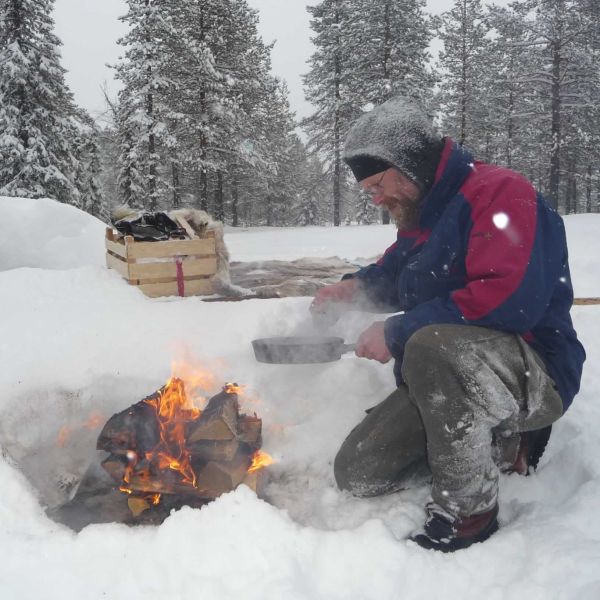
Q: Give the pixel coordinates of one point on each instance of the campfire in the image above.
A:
(164, 448)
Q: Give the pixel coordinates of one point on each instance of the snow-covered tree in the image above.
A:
(145, 72)
(89, 168)
(507, 60)
(463, 32)
(328, 87)
(38, 129)
(387, 42)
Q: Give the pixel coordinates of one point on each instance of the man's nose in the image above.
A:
(378, 199)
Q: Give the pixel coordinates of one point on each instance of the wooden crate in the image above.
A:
(171, 268)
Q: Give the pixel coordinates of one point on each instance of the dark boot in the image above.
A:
(447, 533)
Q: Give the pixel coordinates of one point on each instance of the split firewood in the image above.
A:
(135, 428)
(221, 477)
(219, 450)
(218, 420)
(138, 505)
(115, 466)
(156, 485)
(253, 480)
(250, 430)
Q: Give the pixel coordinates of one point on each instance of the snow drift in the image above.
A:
(77, 341)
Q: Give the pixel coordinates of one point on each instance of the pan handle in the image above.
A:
(347, 348)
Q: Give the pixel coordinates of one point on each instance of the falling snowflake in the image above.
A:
(501, 220)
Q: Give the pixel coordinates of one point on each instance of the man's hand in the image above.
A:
(341, 292)
(371, 343)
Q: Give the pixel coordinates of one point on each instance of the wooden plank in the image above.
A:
(116, 248)
(187, 227)
(112, 262)
(192, 267)
(194, 287)
(199, 247)
(586, 301)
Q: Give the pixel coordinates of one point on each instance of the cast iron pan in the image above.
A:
(300, 350)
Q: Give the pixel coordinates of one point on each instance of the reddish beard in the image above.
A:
(406, 212)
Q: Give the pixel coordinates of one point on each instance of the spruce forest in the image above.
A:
(201, 120)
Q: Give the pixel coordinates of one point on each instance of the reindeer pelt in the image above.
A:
(201, 222)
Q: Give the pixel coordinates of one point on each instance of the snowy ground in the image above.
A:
(78, 342)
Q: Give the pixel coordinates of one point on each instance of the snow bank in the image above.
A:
(45, 234)
(77, 341)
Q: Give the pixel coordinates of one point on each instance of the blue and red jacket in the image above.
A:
(489, 252)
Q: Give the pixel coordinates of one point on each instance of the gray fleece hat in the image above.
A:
(397, 133)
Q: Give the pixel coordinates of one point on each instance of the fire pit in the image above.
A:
(164, 453)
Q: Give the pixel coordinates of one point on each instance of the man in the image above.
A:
(486, 357)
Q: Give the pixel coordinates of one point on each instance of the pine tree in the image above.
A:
(463, 33)
(145, 74)
(37, 114)
(199, 98)
(388, 41)
(507, 61)
(557, 31)
(328, 87)
(312, 189)
(89, 168)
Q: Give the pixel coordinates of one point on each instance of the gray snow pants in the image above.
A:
(469, 392)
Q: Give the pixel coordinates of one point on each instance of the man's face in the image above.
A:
(398, 194)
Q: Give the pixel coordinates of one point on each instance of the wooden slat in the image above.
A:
(188, 228)
(112, 262)
(116, 248)
(192, 267)
(195, 287)
(200, 247)
(581, 301)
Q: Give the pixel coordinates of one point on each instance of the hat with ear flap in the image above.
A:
(397, 133)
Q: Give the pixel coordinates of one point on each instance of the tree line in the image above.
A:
(202, 121)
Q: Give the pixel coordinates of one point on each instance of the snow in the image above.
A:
(77, 341)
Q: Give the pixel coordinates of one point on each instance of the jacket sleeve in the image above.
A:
(378, 280)
(511, 270)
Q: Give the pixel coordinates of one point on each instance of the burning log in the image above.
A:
(164, 446)
(220, 477)
(218, 421)
(135, 427)
(217, 450)
(116, 467)
(250, 430)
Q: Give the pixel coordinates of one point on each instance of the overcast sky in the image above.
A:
(89, 30)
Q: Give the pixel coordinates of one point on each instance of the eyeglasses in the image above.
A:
(375, 188)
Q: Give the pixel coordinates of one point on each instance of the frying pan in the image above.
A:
(300, 349)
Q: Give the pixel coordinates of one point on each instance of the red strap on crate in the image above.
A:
(180, 282)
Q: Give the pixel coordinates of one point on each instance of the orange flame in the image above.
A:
(173, 411)
(232, 388)
(94, 421)
(199, 380)
(260, 460)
